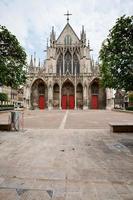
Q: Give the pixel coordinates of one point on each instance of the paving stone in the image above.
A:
(106, 191)
(32, 195)
(8, 194)
(69, 161)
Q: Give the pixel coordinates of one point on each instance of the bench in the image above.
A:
(121, 127)
(5, 127)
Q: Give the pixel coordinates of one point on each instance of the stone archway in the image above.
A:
(56, 91)
(39, 94)
(95, 94)
(79, 96)
(67, 100)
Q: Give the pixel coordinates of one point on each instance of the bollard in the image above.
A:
(15, 120)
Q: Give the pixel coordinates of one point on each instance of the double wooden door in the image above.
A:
(41, 102)
(94, 102)
(68, 102)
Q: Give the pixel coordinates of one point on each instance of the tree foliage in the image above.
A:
(130, 95)
(116, 56)
(12, 60)
(3, 96)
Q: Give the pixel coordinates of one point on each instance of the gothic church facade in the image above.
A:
(69, 78)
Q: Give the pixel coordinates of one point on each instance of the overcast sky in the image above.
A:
(31, 20)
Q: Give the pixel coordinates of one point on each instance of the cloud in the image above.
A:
(31, 20)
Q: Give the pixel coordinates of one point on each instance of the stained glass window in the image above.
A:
(76, 66)
(60, 64)
(68, 40)
(68, 62)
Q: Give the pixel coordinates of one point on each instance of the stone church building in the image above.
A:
(69, 78)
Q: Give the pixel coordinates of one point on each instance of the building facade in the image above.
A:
(69, 78)
(15, 96)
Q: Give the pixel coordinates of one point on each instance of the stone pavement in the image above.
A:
(71, 119)
(71, 156)
(89, 119)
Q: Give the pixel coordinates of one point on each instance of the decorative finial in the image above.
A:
(31, 62)
(47, 42)
(34, 59)
(82, 28)
(88, 43)
(67, 14)
(39, 63)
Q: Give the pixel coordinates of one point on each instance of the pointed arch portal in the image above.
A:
(39, 94)
(56, 95)
(67, 101)
(79, 96)
(95, 94)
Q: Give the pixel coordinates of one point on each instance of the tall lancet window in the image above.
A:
(68, 62)
(68, 40)
(76, 65)
(59, 64)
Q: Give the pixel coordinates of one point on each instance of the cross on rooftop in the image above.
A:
(67, 14)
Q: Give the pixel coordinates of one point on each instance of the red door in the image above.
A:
(64, 102)
(71, 102)
(94, 102)
(41, 102)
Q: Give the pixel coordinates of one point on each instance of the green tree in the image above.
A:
(116, 56)
(12, 60)
(3, 96)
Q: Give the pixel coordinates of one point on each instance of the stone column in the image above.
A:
(50, 97)
(28, 96)
(85, 97)
(75, 82)
(72, 61)
(60, 94)
(63, 62)
(50, 93)
(89, 96)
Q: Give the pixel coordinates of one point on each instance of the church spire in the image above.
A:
(39, 63)
(47, 43)
(31, 62)
(83, 36)
(83, 29)
(88, 44)
(34, 59)
(53, 33)
(52, 37)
